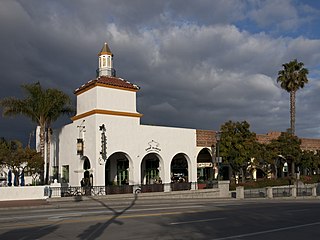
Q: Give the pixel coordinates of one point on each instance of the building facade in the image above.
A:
(106, 145)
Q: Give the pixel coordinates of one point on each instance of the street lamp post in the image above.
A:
(218, 137)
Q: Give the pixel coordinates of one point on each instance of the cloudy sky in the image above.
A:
(198, 63)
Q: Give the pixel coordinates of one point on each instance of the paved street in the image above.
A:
(165, 219)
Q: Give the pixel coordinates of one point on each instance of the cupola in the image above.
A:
(105, 67)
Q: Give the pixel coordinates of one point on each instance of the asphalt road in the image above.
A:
(166, 219)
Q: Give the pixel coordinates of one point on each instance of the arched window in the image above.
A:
(86, 164)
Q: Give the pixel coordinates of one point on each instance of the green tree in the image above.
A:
(35, 163)
(237, 145)
(20, 160)
(309, 162)
(42, 106)
(292, 77)
(12, 155)
(316, 163)
(286, 146)
(2, 151)
(263, 157)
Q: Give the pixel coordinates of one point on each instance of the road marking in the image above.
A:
(299, 210)
(197, 221)
(268, 231)
(164, 208)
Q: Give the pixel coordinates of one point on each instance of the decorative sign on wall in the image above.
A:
(153, 146)
(103, 151)
(204, 165)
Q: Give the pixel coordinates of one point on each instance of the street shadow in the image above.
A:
(77, 198)
(29, 233)
(94, 231)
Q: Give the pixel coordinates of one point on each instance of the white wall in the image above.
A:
(125, 134)
(64, 151)
(22, 193)
(116, 99)
(86, 101)
(107, 99)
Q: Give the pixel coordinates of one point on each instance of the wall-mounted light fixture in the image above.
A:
(80, 142)
(80, 146)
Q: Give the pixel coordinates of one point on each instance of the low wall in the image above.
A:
(278, 192)
(22, 193)
(42, 192)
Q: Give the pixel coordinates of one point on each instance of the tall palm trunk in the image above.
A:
(48, 154)
(292, 111)
(42, 147)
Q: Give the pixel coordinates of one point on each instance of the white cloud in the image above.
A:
(196, 65)
(217, 72)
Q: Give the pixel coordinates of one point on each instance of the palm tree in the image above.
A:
(292, 77)
(43, 106)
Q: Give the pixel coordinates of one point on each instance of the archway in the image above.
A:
(204, 166)
(117, 170)
(150, 169)
(87, 179)
(179, 168)
(180, 173)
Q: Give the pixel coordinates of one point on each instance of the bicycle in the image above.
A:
(75, 192)
(101, 191)
(137, 191)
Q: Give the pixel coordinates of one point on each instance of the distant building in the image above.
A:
(310, 144)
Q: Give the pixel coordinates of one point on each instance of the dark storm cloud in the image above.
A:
(198, 63)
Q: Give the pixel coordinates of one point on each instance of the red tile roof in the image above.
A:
(108, 81)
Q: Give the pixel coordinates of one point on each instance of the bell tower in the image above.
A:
(105, 67)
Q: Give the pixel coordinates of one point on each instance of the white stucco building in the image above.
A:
(115, 149)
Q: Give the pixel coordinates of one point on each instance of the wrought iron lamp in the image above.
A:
(80, 146)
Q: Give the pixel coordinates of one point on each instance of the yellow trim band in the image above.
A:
(106, 112)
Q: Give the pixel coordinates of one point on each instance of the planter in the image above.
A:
(202, 185)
